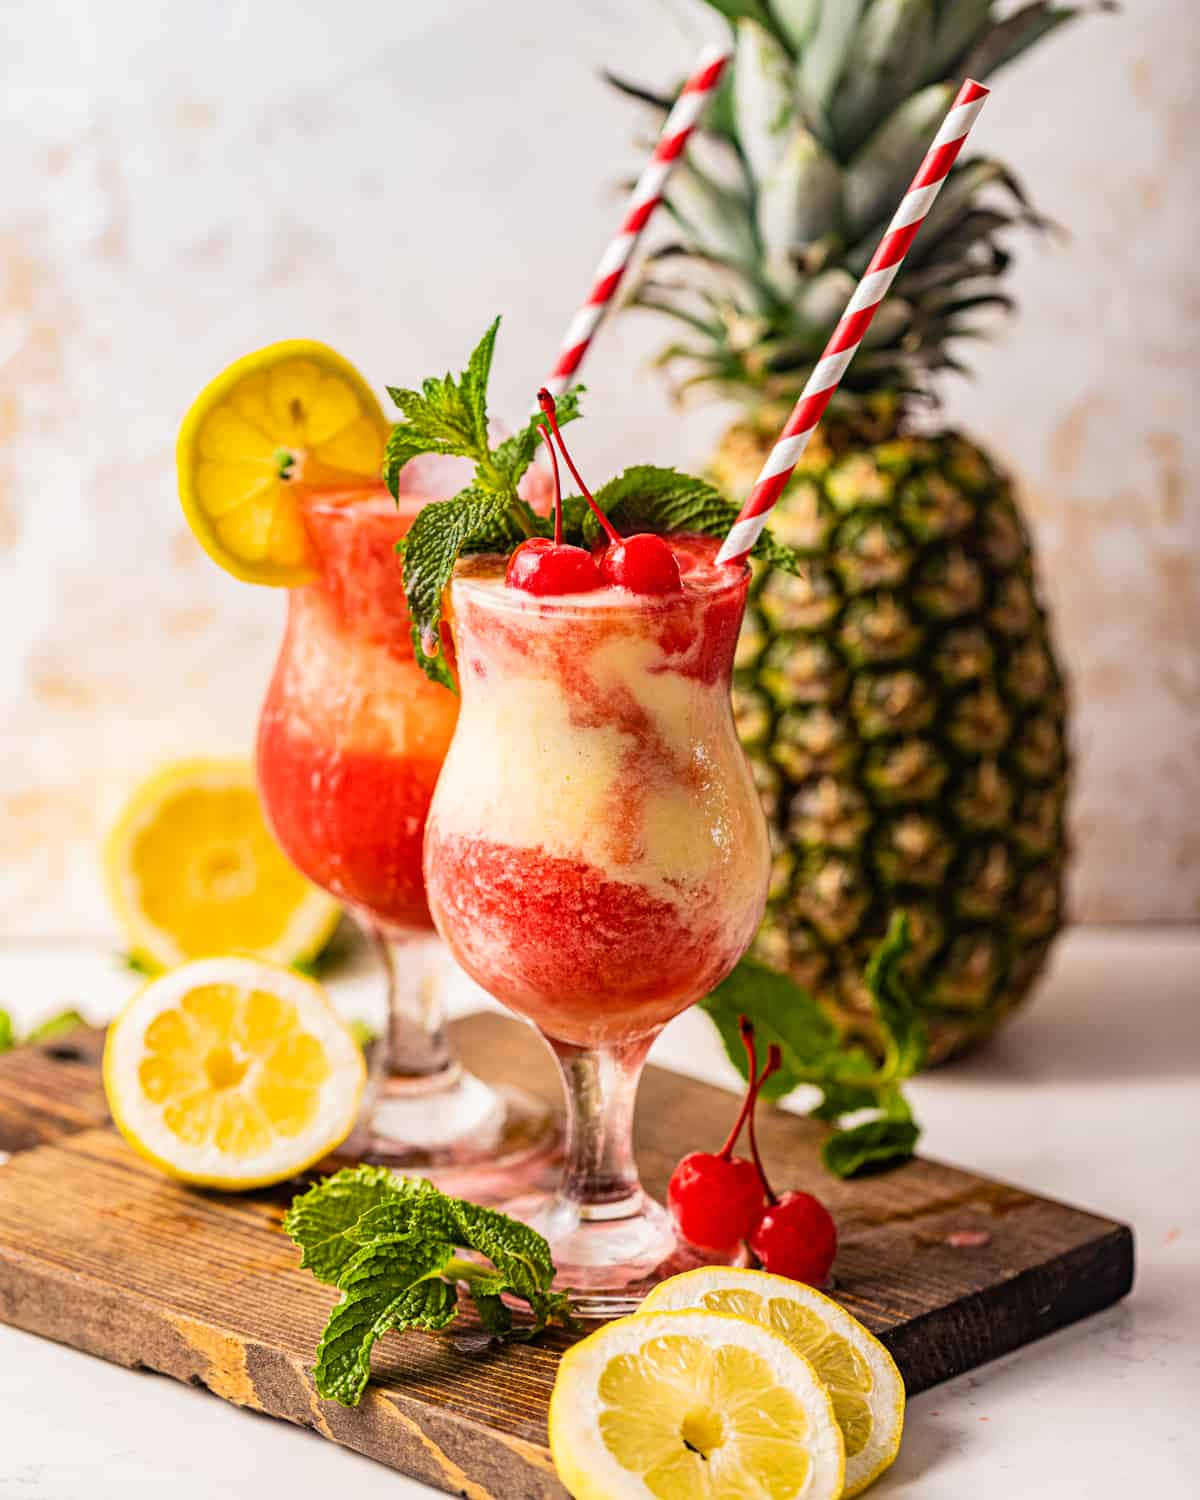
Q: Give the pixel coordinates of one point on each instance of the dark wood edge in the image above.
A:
(1016, 1312)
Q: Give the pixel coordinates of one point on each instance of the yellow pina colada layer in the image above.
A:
(661, 802)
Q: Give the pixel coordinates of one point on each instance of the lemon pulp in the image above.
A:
(699, 1423)
(194, 870)
(294, 414)
(232, 1072)
(835, 1360)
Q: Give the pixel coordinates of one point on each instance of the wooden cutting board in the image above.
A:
(99, 1252)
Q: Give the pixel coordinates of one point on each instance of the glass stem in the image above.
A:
(416, 1044)
(600, 1177)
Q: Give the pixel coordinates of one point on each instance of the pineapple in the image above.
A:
(901, 701)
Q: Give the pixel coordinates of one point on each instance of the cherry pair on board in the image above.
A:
(643, 564)
(719, 1200)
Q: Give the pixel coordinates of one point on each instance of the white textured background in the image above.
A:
(182, 183)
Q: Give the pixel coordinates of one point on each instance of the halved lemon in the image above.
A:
(293, 415)
(692, 1406)
(193, 870)
(232, 1073)
(866, 1387)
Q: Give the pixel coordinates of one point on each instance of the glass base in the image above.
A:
(609, 1256)
(470, 1138)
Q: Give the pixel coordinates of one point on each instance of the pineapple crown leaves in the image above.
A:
(390, 1245)
(810, 142)
(814, 1052)
(449, 415)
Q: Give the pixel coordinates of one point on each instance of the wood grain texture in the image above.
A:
(99, 1252)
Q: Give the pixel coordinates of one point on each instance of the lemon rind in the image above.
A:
(272, 575)
(312, 925)
(880, 1453)
(123, 1048)
(590, 1472)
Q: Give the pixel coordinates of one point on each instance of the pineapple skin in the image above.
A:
(905, 715)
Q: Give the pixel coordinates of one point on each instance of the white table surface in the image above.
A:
(1093, 1096)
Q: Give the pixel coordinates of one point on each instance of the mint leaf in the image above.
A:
(54, 1027)
(838, 1099)
(519, 1253)
(783, 1012)
(873, 1146)
(647, 498)
(444, 416)
(814, 1052)
(364, 1034)
(391, 1247)
(473, 521)
(321, 1221)
(493, 1312)
(899, 1021)
(136, 964)
(475, 383)
(380, 1292)
(8, 1036)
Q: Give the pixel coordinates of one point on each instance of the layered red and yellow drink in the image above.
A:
(596, 855)
(353, 734)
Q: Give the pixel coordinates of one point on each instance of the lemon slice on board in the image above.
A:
(192, 870)
(294, 415)
(692, 1406)
(862, 1378)
(232, 1073)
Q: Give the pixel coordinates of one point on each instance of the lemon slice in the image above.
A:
(692, 1406)
(866, 1387)
(292, 415)
(193, 870)
(232, 1073)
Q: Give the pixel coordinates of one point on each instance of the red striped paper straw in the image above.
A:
(855, 321)
(647, 195)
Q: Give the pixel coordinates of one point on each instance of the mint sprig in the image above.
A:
(449, 415)
(391, 1246)
(647, 498)
(48, 1030)
(814, 1052)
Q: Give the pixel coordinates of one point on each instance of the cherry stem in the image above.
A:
(558, 506)
(746, 1032)
(546, 402)
(773, 1064)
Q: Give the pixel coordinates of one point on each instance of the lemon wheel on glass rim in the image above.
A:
(232, 1073)
(866, 1387)
(193, 870)
(692, 1406)
(293, 416)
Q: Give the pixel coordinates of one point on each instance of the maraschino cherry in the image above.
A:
(542, 566)
(795, 1235)
(717, 1198)
(643, 564)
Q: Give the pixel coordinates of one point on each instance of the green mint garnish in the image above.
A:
(814, 1052)
(448, 415)
(392, 1247)
(8, 1036)
(646, 498)
(53, 1027)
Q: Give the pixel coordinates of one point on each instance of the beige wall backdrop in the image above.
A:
(183, 183)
